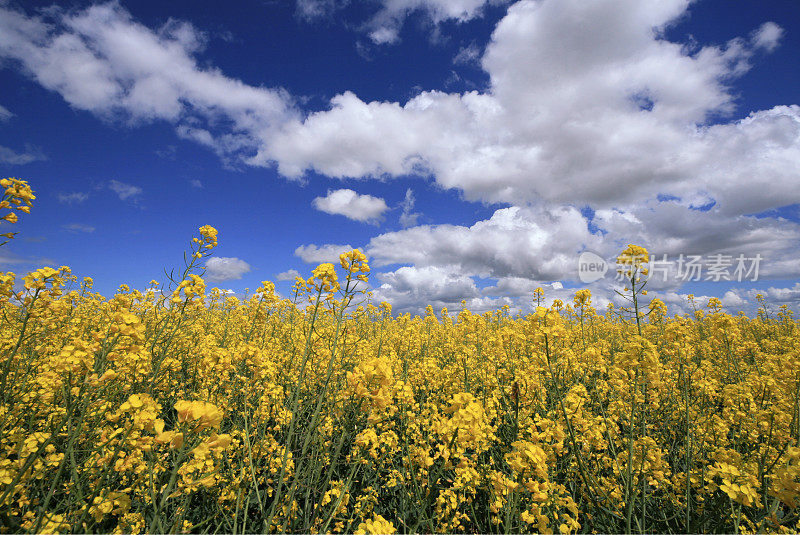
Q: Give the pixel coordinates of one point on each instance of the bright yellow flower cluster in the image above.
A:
(632, 260)
(193, 287)
(206, 415)
(324, 278)
(209, 237)
(17, 195)
(355, 262)
(634, 255)
(376, 526)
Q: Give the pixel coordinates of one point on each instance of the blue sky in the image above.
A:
(472, 148)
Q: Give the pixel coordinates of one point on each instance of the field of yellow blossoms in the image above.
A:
(181, 409)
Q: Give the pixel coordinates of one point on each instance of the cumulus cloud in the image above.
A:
(501, 260)
(73, 198)
(11, 157)
(732, 299)
(352, 205)
(512, 287)
(314, 254)
(669, 228)
(436, 283)
(525, 247)
(124, 190)
(289, 275)
(778, 295)
(410, 289)
(534, 243)
(767, 36)
(588, 104)
(220, 269)
(101, 60)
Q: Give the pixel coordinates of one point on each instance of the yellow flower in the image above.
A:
(377, 525)
(209, 235)
(207, 413)
(219, 441)
(324, 278)
(583, 298)
(634, 257)
(354, 261)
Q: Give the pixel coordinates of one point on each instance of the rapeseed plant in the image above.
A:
(182, 410)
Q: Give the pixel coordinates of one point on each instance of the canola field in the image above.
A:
(181, 409)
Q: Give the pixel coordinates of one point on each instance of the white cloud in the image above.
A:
(669, 228)
(767, 36)
(384, 27)
(677, 303)
(289, 275)
(124, 190)
(512, 287)
(5, 115)
(224, 269)
(75, 197)
(101, 60)
(78, 227)
(777, 295)
(408, 218)
(314, 254)
(732, 299)
(352, 205)
(536, 246)
(468, 55)
(533, 243)
(410, 289)
(11, 157)
(196, 183)
(311, 10)
(438, 284)
(588, 104)
(385, 34)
